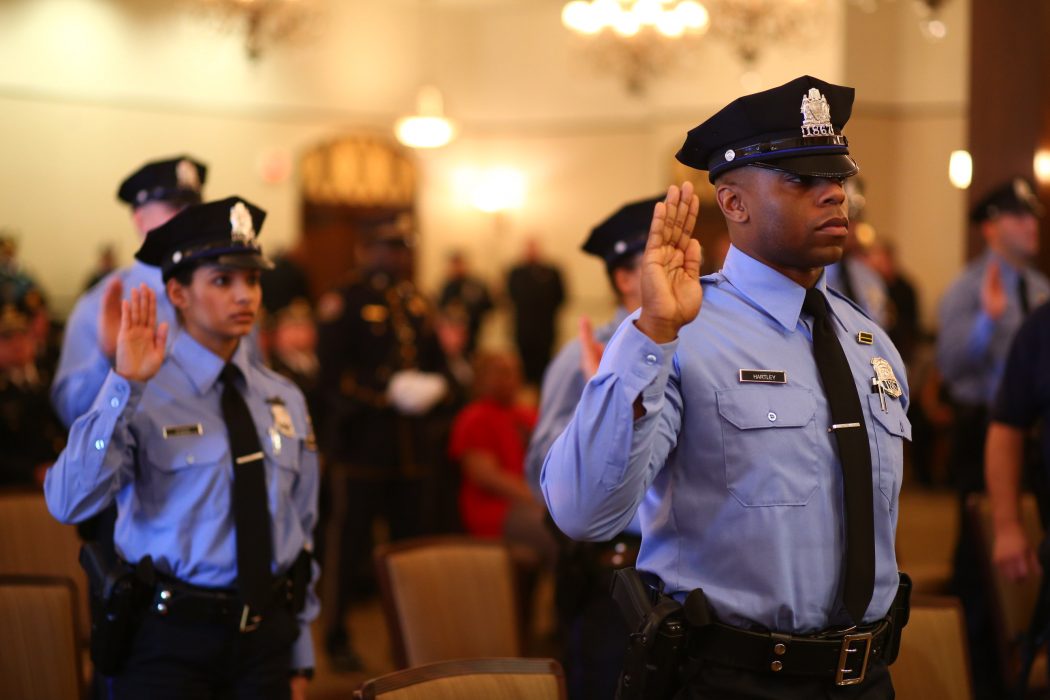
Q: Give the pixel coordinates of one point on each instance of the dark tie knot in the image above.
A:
(230, 374)
(815, 304)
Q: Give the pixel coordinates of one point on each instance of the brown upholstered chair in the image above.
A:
(471, 679)
(927, 530)
(1012, 603)
(39, 638)
(34, 543)
(934, 660)
(448, 598)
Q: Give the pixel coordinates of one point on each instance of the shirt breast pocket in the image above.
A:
(770, 445)
(187, 473)
(891, 428)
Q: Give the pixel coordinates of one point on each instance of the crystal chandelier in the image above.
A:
(264, 22)
(637, 39)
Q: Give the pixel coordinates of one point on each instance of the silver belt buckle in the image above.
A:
(845, 675)
(249, 622)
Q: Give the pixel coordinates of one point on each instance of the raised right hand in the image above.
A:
(993, 297)
(109, 317)
(671, 292)
(1012, 553)
(140, 343)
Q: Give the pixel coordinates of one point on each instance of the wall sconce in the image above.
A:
(960, 169)
(1041, 166)
(492, 190)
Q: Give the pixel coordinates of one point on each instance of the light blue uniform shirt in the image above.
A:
(174, 493)
(971, 346)
(738, 485)
(82, 368)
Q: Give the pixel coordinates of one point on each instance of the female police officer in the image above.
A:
(209, 458)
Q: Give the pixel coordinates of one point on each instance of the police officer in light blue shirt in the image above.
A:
(159, 441)
(155, 192)
(713, 421)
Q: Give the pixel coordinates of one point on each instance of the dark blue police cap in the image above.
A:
(1013, 197)
(623, 233)
(177, 180)
(223, 233)
(796, 127)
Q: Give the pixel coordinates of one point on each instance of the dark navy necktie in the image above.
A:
(251, 513)
(851, 435)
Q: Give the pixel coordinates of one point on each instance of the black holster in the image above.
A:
(900, 610)
(299, 577)
(120, 593)
(657, 642)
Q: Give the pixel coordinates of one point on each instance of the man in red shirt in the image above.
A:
(489, 440)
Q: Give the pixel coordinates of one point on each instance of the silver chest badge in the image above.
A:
(884, 381)
(816, 115)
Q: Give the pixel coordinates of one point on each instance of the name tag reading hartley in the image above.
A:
(764, 376)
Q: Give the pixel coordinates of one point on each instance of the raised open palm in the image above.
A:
(140, 342)
(671, 292)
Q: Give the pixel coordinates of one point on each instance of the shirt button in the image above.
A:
(650, 359)
(100, 444)
(771, 416)
(190, 459)
(114, 402)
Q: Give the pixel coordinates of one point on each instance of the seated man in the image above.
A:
(211, 461)
(489, 439)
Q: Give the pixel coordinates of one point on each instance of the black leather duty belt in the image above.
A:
(183, 602)
(842, 655)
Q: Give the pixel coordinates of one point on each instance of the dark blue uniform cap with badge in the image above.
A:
(796, 127)
(221, 233)
(1013, 197)
(623, 233)
(177, 180)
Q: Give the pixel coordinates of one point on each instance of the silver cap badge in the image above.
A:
(187, 176)
(241, 228)
(816, 115)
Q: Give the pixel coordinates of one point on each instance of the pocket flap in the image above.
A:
(188, 451)
(767, 407)
(894, 419)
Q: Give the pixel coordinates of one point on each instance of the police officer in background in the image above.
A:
(758, 437)
(155, 192)
(380, 370)
(979, 316)
(210, 459)
(594, 630)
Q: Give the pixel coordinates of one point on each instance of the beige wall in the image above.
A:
(90, 89)
(911, 113)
